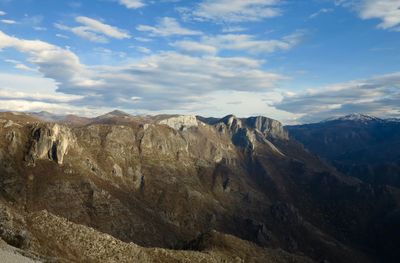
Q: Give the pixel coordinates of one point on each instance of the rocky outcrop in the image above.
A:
(232, 123)
(249, 133)
(180, 123)
(269, 127)
(51, 142)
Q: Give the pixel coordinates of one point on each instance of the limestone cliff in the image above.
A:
(49, 141)
(180, 122)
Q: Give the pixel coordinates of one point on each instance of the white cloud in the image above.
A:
(143, 39)
(379, 96)
(163, 81)
(30, 88)
(99, 27)
(20, 65)
(95, 30)
(239, 42)
(144, 50)
(2, 13)
(62, 36)
(8, 21)
(195, 47)
(35, 93)
(39, 28)
(249, 44)
(234, 10)
(54, 62)
(388, 11)
(29, 96)
(132, 4)
(168, 26)
(320, 12)
(233, 29)
(21, 105)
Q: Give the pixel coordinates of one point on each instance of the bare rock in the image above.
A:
(269, 127)
(117, 171)
(181, 123)
(51, 142)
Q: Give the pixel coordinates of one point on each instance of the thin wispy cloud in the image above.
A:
(239, 42)
(19, 65)
(168, 26)
(234, 11)
(39, 28)
(233, 29)
(94, 30)
(195, 47)
(250, 44)
(132, 4)
(321, 12)
(8, 21)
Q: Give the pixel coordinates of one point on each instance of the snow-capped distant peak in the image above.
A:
(358, 117)
(393, 119)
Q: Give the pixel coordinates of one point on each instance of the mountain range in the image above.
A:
(171, 188)
(357, 145)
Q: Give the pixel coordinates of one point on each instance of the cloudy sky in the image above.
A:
(293, 60)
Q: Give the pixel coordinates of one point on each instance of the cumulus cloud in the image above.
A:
(157, 82)
(95, 30)
(2, 13)
(234, 10)
(388, 11)
(167, 26)
(132, 4)
(379, 96)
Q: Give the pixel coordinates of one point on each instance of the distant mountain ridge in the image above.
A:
(357, 117)
(357, 145)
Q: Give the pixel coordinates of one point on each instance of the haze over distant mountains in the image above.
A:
(358, 145)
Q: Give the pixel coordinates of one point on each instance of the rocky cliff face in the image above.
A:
(170, 181)
(180, 122)
(49, 141)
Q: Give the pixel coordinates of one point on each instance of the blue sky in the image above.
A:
(296, 61)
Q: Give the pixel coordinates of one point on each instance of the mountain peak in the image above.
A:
(355, 117)
(115, 113)
(118, 113)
